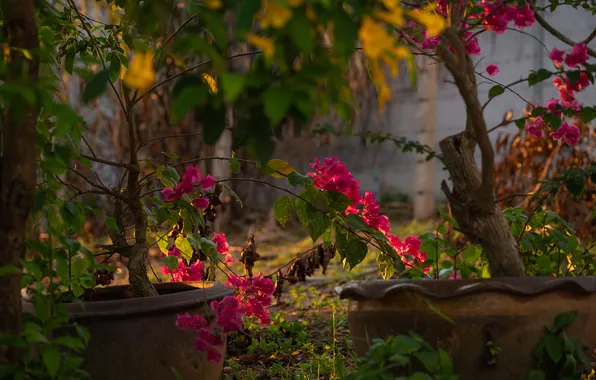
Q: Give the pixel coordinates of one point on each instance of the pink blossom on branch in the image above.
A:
(193, 272)
(192, 177)
(492, 69)
(556, 56)
(577, 56)
(535, 128)
(569, 133)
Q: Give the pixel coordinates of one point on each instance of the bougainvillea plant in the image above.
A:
(331, 206)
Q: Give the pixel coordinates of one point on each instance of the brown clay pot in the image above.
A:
(510, 312)
(136, 338)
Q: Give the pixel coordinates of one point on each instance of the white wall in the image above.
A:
(516, 55)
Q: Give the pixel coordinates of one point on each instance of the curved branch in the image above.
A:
(461, 68)
(549, 28)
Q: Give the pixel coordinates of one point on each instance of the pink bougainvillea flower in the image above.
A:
(492, 69)
(569, 133)
(169, 194)
(535, 128)
(192, 176)
(556, 55)
(174, 252)
(524, 17)
(191, 322)
(201, 203)
(220, 242)
(577, 56)
(193, 272)
(371, 216)
(332, 175)
(552, 105)
(455, 276)
(253, 295)
(207, 182)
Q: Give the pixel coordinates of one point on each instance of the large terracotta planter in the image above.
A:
(510, 312)
(136, 338)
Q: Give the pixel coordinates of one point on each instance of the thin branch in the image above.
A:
(108, 162)
(169, 79)
(590, 37)
(549, 28)
(145, 143)
(103, 62)
(88, 146)
(171, 37)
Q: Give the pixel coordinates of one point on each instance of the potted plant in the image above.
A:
(131, 326)
(522, 270)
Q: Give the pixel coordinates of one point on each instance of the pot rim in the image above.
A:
(190, 293)
(445, 289)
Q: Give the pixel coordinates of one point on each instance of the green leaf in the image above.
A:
(233, 194)
(554, 347)
(167, 175)
(234, 164)
(184, 247)
(356, 223)
(171, 262)
(496, 91)
(573, 76)
(232, 85)
(297, 179)
(302, 33)
(420, 376)
(315, 222)
(282, 209)
(277, 101)
(564, 320)
(406, 344)
(115, 66)
(245, 15)
(8, 269)
(162, 242)
(520, 123)
(69, 63)
(471, 254)
(429, 359)
(537, 375)
(437, 311)
(51, 358)
(348, 30)
(188, 98)
(70, 342)
(575, 184)
(386, 266)
(356, 251)
(446, 363)
(538, 76)
(213, 120)
(96, 86)
(171, 155)
(338, 201)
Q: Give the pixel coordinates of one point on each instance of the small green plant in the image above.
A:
(558, 356)
(404, 357)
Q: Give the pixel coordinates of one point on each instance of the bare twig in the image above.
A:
(549, 28)
(108, 162)
(169, 79)
(94, 42)
(145, 143)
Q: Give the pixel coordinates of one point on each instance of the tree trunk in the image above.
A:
(487, 227)
(472, 200)
(17, 160)
(424, 198)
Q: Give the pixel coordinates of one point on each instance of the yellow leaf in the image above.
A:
(274, 15)
(213, 4)
(432, 22)
(141, 75)
(282, 168)
(211, 82)
(264, 43)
